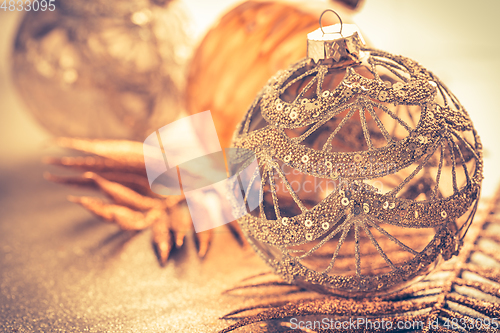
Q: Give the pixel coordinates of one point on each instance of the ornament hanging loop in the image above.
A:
(321, 24)
(329, 45)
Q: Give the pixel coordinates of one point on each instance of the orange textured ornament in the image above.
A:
(246, 47)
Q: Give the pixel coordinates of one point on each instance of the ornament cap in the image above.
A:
(339, 42)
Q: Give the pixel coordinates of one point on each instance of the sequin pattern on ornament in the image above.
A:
(371, 170)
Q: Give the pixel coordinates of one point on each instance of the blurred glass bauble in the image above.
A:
(247, 46)
(371, 168)
(103, 69)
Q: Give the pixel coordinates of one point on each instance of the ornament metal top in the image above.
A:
(370, 168)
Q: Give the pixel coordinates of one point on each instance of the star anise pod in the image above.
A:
(116, 167)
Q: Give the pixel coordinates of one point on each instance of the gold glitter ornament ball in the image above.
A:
(370, 168)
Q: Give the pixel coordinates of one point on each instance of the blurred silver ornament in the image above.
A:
(100, 69)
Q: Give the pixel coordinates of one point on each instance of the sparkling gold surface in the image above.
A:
(64, 270)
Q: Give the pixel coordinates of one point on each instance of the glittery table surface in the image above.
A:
(63, 270)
